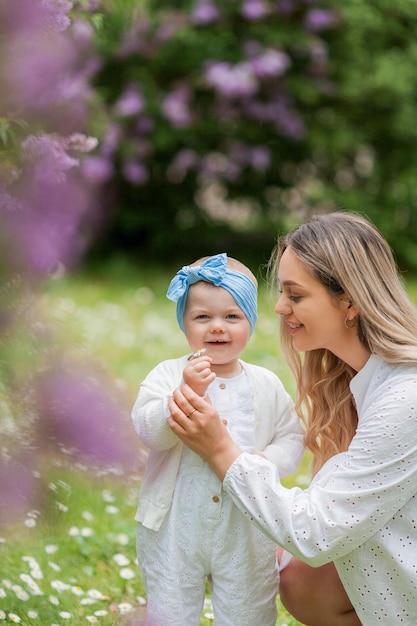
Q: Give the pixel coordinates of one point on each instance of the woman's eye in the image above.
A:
(293, 298)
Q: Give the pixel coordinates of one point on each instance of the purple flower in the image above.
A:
(49, 227)
(17, 487)
(47, 157)
(135, 172)
(97, 169)
(20, 15)
(183, 161)
(257, 157)
(36, 65)
(270, 63)
(8, 203)
(111, 139)
(175, 107)
(56, 12)
(286, 7)
(217, 165)
(31, 15)
(130, 103)
(82, 32)
(204, 12)
(280, 113)
(232, 81)
(260, 158)
(254, 9)
(80, 412)
(81, 143)
(317, 20)
(144, 125)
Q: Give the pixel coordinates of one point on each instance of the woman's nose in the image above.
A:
(283, 305)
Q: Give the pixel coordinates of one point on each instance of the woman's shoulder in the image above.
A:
(385, 370)
(380, 380)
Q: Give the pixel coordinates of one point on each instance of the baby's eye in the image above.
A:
(202, 316)
(232, 316)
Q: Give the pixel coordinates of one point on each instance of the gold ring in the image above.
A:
(190, 414)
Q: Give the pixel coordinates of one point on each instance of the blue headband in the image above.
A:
(215, 271)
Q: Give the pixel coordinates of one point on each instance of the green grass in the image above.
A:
(70, 557)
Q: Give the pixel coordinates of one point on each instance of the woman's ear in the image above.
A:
(348, 306)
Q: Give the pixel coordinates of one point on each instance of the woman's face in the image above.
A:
(313, 317)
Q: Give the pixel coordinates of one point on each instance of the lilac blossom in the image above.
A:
(111, 140)
(34, 65)
(183, 161)
(29, 15)
(46, 72)
(17, 486)
(8, 203)
(317, 20)
(47, 157)
(135, 172)
(232, 81)
(57, 13)
(257, 157)
(170, 27)
(270, 63)
(81, 143)
(286, 7)
(280, 113)
(52, 203)
(217, 165)
(175, 107)
(260, 158)
(89, 6)
(47, 228)
(254, 9)
(204, 12)
(144, 125)
(135, 40)
(97, 169)
(82, 32)
(80, 412)
(130, 103)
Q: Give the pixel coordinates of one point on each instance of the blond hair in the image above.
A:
(347, 254)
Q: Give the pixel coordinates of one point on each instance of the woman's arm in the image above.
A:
(350, 499)
(199, 427)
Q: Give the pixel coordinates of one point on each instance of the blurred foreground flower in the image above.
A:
(50, 408)
(78, 413)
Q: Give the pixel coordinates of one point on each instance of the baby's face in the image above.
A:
(213, 320)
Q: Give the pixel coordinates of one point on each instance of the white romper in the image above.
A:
(204, 536)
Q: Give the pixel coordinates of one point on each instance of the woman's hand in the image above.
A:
(195, 421)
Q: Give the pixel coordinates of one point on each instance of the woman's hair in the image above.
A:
(347, 254)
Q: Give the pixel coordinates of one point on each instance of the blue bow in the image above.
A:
(214, 270)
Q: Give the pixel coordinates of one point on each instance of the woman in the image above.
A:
(349, 333)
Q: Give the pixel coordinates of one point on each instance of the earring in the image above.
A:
(350, 323)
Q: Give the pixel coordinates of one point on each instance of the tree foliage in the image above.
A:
(246, 115)
(207, 112)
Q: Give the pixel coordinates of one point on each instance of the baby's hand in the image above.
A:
(198, 375)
